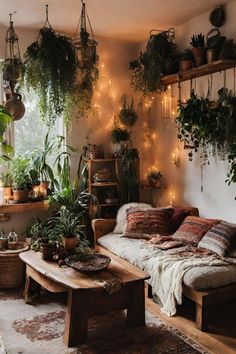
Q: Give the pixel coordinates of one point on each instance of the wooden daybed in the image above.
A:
(202, 299)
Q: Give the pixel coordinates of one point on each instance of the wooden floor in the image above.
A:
(221, 338)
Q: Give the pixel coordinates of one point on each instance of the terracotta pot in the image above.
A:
(7, 193)
(44, 188)
(212, 55)
(20, 196)
(199, 55)
(185, 65)
(47, 251)
(15, 106)
(69, 243)
(3, 243)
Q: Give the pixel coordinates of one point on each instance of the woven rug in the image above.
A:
(38, 328)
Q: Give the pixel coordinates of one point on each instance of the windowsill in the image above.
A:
(24, 207)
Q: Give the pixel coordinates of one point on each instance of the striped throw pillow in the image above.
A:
(220, 238)
(193, 229)
(148, 221)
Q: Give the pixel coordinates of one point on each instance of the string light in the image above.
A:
(148, 137)
(175, 157)
(172, 196)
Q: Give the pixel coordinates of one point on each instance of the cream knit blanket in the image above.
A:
(167, 272)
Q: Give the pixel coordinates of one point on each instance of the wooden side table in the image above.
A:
(12, 269)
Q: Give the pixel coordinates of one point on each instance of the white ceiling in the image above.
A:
(126, 19)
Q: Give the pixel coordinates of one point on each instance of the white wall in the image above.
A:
(217, 198)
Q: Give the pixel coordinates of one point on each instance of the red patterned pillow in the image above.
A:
(178, 217)
(148, 221)
(193, 229)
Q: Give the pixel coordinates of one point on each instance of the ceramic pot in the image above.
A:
(44, 188)
(199, 55)
(185, 65)
(212, 55)
(15, 106)
(69, 243)
(47, 251)
(7, 193)
(20, 196)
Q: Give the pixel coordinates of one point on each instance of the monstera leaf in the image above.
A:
(5, 120)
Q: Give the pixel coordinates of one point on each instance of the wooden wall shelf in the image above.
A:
(203, 70)
(23, 207)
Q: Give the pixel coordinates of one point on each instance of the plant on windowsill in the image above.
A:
(19, 169)
(6, 182)
(152, 63)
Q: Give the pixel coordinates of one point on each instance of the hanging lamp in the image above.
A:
(84, 41)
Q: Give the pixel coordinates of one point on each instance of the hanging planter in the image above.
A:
(85, 45)
(50, 69)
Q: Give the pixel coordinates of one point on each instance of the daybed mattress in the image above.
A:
(198, 278)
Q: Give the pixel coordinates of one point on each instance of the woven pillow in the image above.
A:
(178, 217)
(220, 238)
(121, 219)
(148, 221)
(193, 229)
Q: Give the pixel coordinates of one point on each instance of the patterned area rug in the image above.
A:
(38, 329)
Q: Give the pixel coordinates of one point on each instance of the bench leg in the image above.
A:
(136, 308)
(150, 296)
(201, 318)
(76, 318)
(32, 289)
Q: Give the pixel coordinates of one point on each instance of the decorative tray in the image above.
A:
(88, 262)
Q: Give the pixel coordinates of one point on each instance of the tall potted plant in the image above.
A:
(6, 181)
(19, 169)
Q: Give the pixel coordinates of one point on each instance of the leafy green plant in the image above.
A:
(66, 224)
(131, 182)
(187, 55)
(12, 69)
(5, 120)
(19, 170)
(50, 69)
(119, 134)
(6, 179)
(150, 65)
(128, 115)
(198, 41)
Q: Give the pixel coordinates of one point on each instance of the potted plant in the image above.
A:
(119, 135)
(128, 115)
(186, 60)
(6, 181)
(12, 69)
(153, 62)
(154, 177)
(228, 50)
(51, 65)
(129, 157)
(199, 49)
(19, 169)
(214, 43)
(66, 226)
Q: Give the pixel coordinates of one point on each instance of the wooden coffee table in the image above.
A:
(87, 298)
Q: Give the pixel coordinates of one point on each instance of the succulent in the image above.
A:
(187, 55)
(198, 41)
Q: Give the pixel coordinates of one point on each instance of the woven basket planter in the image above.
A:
(12, 269)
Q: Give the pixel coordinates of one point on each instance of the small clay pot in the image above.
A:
(7, 193)
(185, 65)
(69, 243)
(20, 196)
(199, 55)
(212, 55)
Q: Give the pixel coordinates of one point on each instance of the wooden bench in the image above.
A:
(203, 299)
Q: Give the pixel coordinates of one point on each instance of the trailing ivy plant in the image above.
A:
(151, 64)
(210, 126)
(51, 69)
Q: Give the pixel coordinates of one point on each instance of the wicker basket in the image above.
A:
(12, 269)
